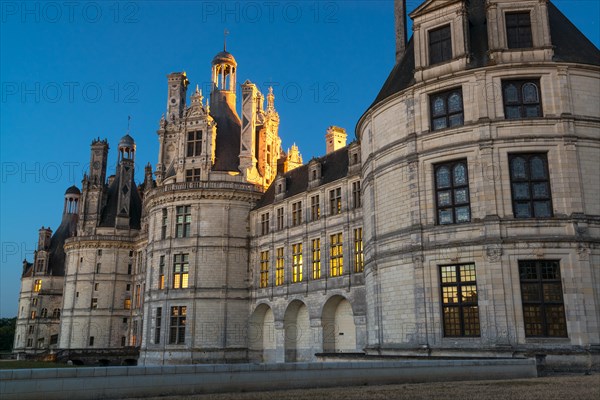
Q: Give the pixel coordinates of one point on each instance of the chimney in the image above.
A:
(400, 17)
(335, 138)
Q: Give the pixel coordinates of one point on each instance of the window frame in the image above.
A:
(183, 221)
(336, 254)
(542, 303)
(181, 270)
(192, 175)
(316, 258)
(264, 269)
(530, 184)
(194, 143)
(359, 260)
(335, 201)
(177, 323)
(315, 208)
(513, 41)
(157, 325)
(439, 56)
(460, 304)
(356, 194)
(447, 115)
(520, 103)
(264, 223)
(161, 272)
(296, 213)
(453, 188)
(280, 266)
(280, 220)
(297, 263)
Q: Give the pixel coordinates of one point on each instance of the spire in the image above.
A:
(225, 33)
(270, 100)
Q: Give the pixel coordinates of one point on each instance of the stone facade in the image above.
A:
(463, 221)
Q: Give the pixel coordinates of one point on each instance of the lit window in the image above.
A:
(459, 300)
(336, 255)
(161, 273)
(530, 185)
(316, 258)
(296, 213)
(264, 268)
(94, 303)
(37, 285)
(446, 109)
(452, 192)
(315, 208)
(177, 325)
(192, 175)
(181, 268)
(264, 223)
(279, 267)
(440, 45)
(518, 30)
(280, 218)
(359, 262)
(163, 228)
(297, 262)
(157, 325)
(127, 304)
(34, 301)
(542, 297)
(194, 143)
(356, 199)
(521, 99)
(335, 201)
(183, 221)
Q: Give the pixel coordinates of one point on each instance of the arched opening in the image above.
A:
(296, 324)
(339, 331)
(261, 335)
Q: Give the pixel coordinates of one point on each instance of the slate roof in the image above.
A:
(227, 150)
(570, 45)
(56, 252)
(334, 166)
(109, 212)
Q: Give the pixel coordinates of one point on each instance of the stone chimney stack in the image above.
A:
(335, 138)
(400, 16)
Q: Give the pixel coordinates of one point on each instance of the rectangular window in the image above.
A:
(518, 30)
(315, 208)
(96, 285)
(40, 266)
(138, 296)
(123, 341)
(54, 339)
(129, 269)
(530, 185)
(30, 331)
(37, 285)
(178, 319)
(279, 267)
(359, 261)
(98, 266)
(440, 45)
(521, 99)
(91, 342)
(280, 218)
(163, 228)
(446, 109)
(452, 192)
(33, 314)
(29, 342)
(158, 324)
(297, 262)
(264, 223)
(335, 201)
(296, 213)
(264, 269)
(336, 255)
(94, 303)
(356, 199)
(183, 221)
(34, 301)
(194, 143)
(316, 258)
(192, 175)
(542, 297)
(161, 273)
(459, 300)
(181, 267)
(127, 304)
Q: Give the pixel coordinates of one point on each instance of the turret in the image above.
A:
(125, 171)
(176, 100)
(335, 138)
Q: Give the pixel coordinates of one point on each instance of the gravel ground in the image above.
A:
(576, 387)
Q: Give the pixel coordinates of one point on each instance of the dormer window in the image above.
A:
(194, 143)
(518, 30)
(440, 45)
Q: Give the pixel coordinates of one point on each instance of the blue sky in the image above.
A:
(73, 71)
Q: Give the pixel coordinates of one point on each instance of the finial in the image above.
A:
(225, 33)
(128, 123)
(197, 88)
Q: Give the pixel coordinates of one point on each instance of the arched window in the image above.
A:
(452, 192)
(447, 109)
(44, 313)
(522, 99)
(56, 313)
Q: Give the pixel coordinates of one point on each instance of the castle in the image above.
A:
(464, 220)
